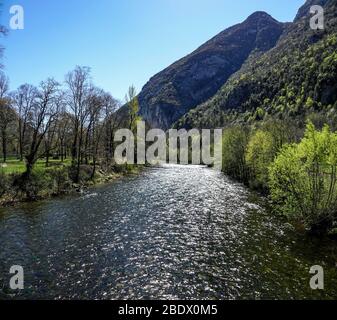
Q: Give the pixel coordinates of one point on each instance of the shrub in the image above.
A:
(33, 185)
(60, 179)
(85, 173)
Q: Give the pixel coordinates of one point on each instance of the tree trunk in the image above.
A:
(20, 141)
(74, 147)
(62, 150)
(47, 158)
(4, 145)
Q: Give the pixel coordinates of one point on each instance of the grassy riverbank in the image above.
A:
(53, 180)
(15, 166)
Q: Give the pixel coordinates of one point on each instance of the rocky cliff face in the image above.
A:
(192, 80)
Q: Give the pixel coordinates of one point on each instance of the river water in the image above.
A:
(173, 232)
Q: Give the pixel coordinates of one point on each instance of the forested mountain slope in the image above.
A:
(296, 78)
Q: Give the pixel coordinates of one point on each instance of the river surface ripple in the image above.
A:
(172, 232)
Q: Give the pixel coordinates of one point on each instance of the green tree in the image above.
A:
(303, 179)
(133, 105)
(235, 141)
(259, 155)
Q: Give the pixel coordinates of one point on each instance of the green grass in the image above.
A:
(16, 166)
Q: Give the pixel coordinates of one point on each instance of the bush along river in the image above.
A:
(171, 232)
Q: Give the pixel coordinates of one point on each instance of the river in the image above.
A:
(172, 232)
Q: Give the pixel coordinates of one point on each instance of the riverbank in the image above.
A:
(55, 182)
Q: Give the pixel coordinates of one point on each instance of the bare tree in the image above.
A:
(63, 133)
(44, 113)
(50, 143)
(24, 99)
(95, 128)
(111, 123)
(49, 140)
(78, 83)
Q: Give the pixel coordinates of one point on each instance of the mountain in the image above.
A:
(296, 78)
(195, 78)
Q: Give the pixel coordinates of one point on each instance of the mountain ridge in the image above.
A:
(198, 76)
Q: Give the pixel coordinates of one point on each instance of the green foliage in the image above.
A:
(133, 105)
(299, 171)
(303, 179)
(35, 184)
(259, 155)
(259, 114)
(235, 141)
(309, 103)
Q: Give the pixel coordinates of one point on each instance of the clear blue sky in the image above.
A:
(123, 41)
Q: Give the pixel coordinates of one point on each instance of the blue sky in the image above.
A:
(123, 41)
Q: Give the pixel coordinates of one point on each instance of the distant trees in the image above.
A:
(296, 79)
